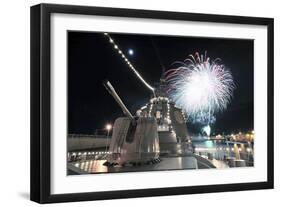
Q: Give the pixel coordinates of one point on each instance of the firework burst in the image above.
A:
(201, 87)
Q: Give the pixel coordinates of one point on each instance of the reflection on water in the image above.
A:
(225, 150)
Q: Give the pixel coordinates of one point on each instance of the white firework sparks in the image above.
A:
(207, 130)
(200, 87)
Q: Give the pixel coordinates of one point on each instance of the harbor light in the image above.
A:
(108, 127)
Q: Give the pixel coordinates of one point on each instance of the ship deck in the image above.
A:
(167, 163)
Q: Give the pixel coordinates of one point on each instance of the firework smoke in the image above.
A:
(201, 87)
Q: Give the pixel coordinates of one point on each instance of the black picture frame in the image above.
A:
(41, 96)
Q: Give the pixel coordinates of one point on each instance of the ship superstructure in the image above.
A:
(158, 128)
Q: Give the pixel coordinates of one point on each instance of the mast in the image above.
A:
(123, 56)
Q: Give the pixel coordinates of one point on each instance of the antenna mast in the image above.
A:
(123, 56)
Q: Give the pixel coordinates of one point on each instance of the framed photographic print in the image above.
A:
(132, 103)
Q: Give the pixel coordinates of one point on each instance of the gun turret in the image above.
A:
(112, 92)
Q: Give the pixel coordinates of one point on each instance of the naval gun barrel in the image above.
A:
(112, 92)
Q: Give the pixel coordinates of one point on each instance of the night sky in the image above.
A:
(91, 60)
